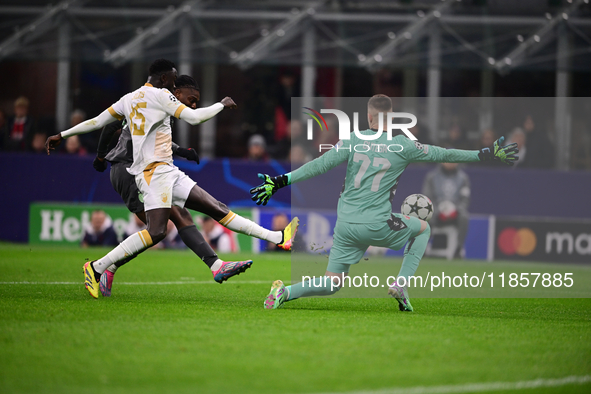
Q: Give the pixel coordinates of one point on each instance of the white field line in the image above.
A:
(184, 282)
(571, 294)
(479, 387)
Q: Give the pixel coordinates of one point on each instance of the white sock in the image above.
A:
(134, 244)
(244, 226)
(217, 265)
(113, 268)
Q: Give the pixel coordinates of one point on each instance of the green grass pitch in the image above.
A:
(201, 337)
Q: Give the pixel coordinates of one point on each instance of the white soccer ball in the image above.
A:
(417, 205)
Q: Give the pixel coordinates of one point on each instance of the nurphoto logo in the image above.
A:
(345, 128)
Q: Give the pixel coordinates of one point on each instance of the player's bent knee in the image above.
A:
(333, 289)
(336, 282)
(222, 209)
(158, 235)
(218, 211)
(424, 227)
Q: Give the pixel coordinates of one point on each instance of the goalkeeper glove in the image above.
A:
(99, 164)
(262, 193)
(189, 154)
(505, 154)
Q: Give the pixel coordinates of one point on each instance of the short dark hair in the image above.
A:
(161, 66)
(380, 102)
(186, 81)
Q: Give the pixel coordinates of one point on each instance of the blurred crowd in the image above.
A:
(21, 132)
(535, 148)
(285, 137)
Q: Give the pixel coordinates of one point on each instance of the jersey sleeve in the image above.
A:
(116, 110)
(87, 126)
(338, 154)
(200, 115)
(170, 104)
(414, 151)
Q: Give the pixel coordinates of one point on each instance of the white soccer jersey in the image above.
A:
(148, 111)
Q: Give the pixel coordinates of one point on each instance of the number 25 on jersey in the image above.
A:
(136, 114)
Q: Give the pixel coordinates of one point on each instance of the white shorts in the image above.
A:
(163, 186)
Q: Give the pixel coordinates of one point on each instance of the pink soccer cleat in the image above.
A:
(229, 269)
(106, 283)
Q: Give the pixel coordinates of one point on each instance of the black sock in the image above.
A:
(195, 241)
(97, 276)
(125, 261)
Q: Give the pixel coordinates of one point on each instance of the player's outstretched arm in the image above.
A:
(505, 154)
(416, 152)
(85, 127)
(200, 115)
(262, 193)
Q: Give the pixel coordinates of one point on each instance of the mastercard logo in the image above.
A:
(512, 241)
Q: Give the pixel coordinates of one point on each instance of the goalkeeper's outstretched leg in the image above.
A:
(325, 285)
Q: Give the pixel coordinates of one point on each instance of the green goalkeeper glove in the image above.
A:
(505, 154)
(262, 193)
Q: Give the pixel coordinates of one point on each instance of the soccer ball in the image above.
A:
(417, 205)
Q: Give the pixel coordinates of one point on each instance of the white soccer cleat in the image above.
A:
(401, 295)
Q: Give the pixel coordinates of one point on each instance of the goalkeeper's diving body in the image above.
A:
(365, 215)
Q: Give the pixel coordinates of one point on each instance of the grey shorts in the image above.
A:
(124, 184)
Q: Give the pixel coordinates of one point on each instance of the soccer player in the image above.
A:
(147, 110)
(365, 215)
(121, 158)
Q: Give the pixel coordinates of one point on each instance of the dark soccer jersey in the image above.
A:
(123, 151)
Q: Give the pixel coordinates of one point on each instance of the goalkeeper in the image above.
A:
(365, 207)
